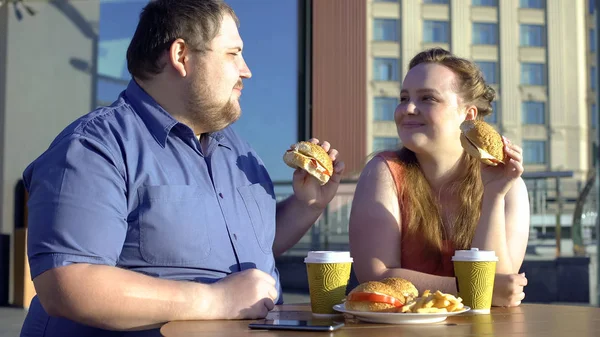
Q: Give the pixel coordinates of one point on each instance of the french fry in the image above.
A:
(434, 303)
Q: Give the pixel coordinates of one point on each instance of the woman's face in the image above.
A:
(430, 111)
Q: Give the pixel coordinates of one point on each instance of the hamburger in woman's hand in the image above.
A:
(312, 158)
(482, 141)
(387, 295)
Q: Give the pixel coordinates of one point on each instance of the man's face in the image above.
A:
(215, 85)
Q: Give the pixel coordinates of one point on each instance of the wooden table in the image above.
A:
(525, 320)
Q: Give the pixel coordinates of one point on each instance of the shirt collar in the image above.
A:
(158, 121)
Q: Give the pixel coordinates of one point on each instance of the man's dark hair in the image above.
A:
(197, 22)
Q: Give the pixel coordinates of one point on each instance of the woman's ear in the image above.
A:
(471, 113)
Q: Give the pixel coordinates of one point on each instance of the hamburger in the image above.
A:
(387, 295)
(312, 158)
(482, 141)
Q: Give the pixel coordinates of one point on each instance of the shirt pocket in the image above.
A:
(261, 209)
(173, 225)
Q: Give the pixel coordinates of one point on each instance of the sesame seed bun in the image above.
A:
(312, 158)
(482, 141)
(402, 290)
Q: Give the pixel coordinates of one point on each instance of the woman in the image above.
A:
(413, 207)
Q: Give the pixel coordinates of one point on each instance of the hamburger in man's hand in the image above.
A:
(312, 158)
(483, 142)
(387, 295)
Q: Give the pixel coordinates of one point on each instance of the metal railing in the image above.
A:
(552, 200)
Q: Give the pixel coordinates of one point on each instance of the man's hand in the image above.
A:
(308, 190)
(249, 294)
(508, 290)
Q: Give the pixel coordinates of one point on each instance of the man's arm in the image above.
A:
(116, 299)
(297, 213)
(294, 218)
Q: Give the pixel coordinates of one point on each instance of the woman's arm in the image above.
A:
(375, 232)
(504, 223)
(504, 227)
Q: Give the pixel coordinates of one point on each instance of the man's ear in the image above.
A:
(471, 113)
(178, 56)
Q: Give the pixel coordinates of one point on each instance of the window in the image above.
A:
(436, 31)
(385, 30)
(489, 70)
(533, 112)
(385, 69)
(384, 143)
(594, 116)
(385, 0)
(489, 3)
(534, 152)
(533, 35)
(441, 2)
(593, 78)
(592, 6)
(384, 107)
(485, 33)
(493, 117)
(592, 40)
(532, 4)
(533, 74)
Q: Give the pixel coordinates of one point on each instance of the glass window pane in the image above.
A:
(492, 3)
(533, 112)
(594, 117)
(485, 33)
(435, 31)
(442, 2)
(532, 3)
(489, 70)
(493, 117)
(534, 152)
(385, 69)
(115, 31)
(384, 107)
(276, 70)
(592, 6)
(533, 74)
(385, 30)
(592, 40)
(533, 35)
(593, 78)
(384, 143)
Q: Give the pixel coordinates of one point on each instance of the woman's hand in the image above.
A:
(499, 179)
(508, 290)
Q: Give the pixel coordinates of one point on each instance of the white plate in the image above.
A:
(398, 318)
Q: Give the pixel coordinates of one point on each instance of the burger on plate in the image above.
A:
(311, 158)
(483, 142)
(387, 295)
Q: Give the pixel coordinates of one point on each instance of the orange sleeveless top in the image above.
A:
(412, 256)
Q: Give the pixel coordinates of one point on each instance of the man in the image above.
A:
(153, 209)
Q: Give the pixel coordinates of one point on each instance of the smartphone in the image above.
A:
(292, 324)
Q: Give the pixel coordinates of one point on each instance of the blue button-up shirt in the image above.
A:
(129, 186)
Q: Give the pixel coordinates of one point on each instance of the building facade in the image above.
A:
(543, 74)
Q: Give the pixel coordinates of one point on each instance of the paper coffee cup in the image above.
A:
(328, 275)
(475, 271)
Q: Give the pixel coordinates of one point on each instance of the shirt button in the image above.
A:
(221, 195)
(234, 236)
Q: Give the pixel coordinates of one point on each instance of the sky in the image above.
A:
(269, 101)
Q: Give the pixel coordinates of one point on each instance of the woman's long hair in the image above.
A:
(423, 213)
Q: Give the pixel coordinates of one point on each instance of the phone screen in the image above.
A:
(292, 324)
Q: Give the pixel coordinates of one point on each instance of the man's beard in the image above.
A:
(207, 114)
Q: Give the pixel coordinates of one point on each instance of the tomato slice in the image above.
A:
(370, 297)
(314, 163)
